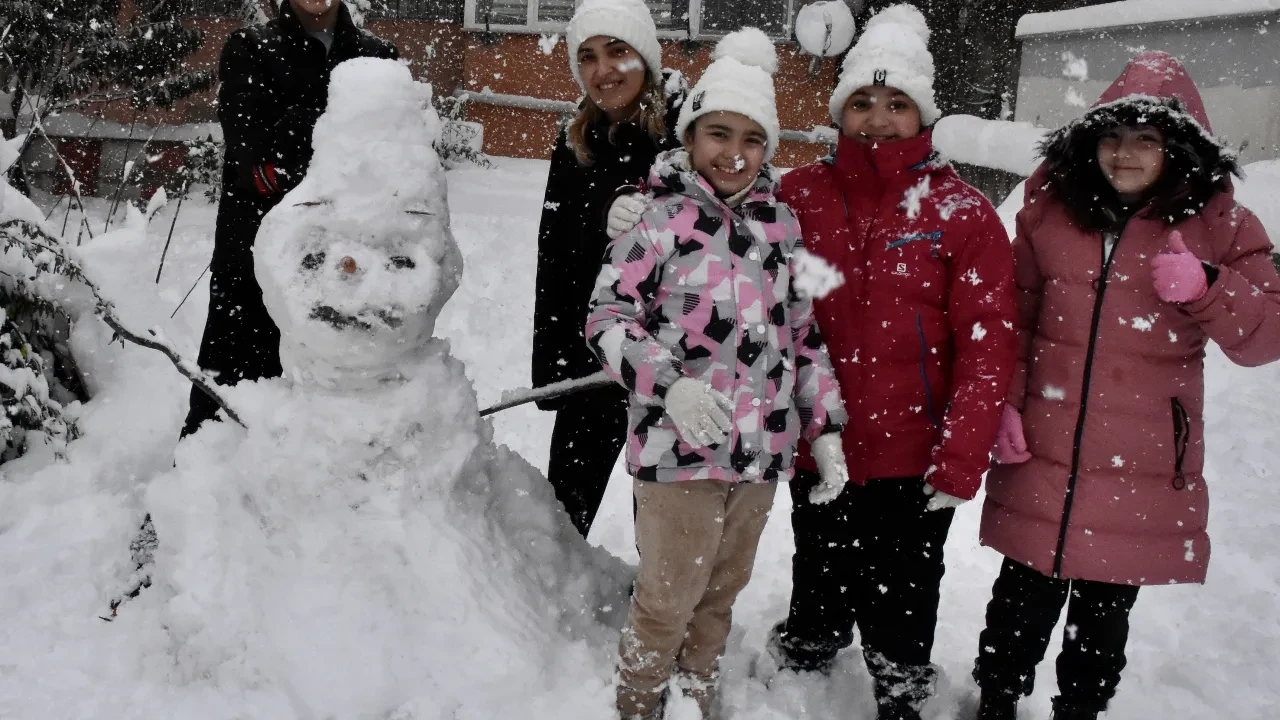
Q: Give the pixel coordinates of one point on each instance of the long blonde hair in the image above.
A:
(651, 115)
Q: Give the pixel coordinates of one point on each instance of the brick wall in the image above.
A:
(517, 65)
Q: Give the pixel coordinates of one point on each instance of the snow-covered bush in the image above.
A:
(40, 389)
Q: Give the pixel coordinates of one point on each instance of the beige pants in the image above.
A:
(697, 542)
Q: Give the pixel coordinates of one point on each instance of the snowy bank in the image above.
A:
(996, 144)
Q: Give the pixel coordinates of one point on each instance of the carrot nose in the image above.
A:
(348, 265)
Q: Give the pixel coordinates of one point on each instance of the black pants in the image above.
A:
(589, 433)
(872, 557)
(1024, 608)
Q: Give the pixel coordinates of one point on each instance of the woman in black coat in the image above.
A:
(627, 116)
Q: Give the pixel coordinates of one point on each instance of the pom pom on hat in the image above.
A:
(893, 51)
(739, 80)
(749, 46)
(903, 14)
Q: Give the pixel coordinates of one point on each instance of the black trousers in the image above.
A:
(1024, 608)
(872, 557)
(589, 432)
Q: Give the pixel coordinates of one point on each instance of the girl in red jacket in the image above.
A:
(921, 338)
(920, 335)
(1131, 255)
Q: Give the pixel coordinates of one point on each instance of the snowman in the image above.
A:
(356, 262)
(363, 548)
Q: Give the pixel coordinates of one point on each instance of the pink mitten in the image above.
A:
(1011, 444)
(1177, 274)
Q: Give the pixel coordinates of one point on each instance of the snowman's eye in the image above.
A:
(313, 261)
(401, 262)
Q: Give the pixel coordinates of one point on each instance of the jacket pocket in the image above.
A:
(924, 374)
(1181, 440)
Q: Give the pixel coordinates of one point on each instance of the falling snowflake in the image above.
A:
(1117, 462)
(1053, 392)
(979, 332)
(1144, 324)
(1074, 67)
(547, 43)
(1173, 336)
(914, 196)
(1191, 553)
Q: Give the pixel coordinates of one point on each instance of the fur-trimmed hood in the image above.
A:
(1154, 89)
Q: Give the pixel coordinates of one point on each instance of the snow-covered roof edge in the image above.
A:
(1139, 12)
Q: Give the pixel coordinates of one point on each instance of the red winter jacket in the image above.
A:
(920, 333)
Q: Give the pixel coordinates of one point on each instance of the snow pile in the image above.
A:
(1135, 12)
(357, 261)
(998, 144)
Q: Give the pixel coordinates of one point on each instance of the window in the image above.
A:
(211, 8)
(674, 18)
(438, 10)
(719, 17)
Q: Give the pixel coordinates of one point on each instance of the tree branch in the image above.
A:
(28, 240)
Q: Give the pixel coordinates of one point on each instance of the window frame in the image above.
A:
(693, 31)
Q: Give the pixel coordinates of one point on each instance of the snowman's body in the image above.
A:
(364, 549)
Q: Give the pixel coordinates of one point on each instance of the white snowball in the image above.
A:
(826, 28)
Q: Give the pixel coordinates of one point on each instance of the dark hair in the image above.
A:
(1196, 165)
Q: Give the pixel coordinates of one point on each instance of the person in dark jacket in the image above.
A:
(274, 86)
(627, 116)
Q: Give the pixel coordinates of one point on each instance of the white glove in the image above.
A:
(701, 414)
(939, 500)
(625, 214)
(828, 453)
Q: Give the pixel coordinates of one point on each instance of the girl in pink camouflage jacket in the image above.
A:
(696, 314)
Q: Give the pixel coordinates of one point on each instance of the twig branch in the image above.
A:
(27, 239)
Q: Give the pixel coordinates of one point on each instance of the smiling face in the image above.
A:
(877, 114)
(1131, 158)
(613, 74)
(727, 149)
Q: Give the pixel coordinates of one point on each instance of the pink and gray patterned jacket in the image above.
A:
(702, 290)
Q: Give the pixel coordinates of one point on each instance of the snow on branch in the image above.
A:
(45, 253)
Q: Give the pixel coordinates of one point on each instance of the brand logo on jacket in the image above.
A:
(902, 270)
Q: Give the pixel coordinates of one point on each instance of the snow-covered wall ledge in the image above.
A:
(1230, 47)
(1139, 12)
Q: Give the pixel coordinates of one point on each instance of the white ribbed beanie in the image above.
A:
(893, 51)
(739, 80)
(626, 20)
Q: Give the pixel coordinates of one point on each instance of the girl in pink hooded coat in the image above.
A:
(1131, 255)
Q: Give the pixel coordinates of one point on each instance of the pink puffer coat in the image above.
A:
(1110, 378)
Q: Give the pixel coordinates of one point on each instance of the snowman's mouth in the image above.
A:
(325, 313)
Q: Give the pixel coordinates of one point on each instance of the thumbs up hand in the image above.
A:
(1177, 274)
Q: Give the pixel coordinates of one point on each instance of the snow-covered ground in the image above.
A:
(470, 614)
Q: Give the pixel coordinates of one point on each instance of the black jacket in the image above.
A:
(274, 86)
(572, 240)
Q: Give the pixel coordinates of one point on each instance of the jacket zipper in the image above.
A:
(1107, 258)
(924, 374)
(1181, 439)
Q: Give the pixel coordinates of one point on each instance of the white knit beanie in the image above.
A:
(739, 80)
(626, 20)
(893, 51)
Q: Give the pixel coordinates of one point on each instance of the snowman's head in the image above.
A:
(356, 263)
